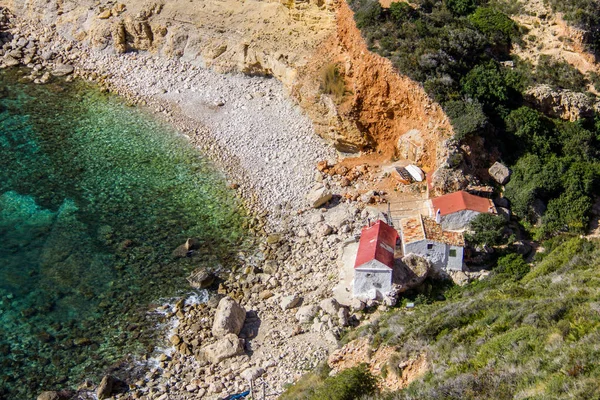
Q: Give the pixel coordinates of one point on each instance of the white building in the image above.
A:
(456, 210)
(374, 262)
(424, 237)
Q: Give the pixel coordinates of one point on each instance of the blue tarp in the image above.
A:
(238, 396)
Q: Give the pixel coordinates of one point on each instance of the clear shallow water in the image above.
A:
(94, 197)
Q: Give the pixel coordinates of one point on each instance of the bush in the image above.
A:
(461, 7)
(495, 25)
(559, 74)
(486, 84)
(368, 14)
(349, 384)
(467, 117)
(512, 266)
(332, 82)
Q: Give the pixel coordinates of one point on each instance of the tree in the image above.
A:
(467, 117)
(534, 130)
(461, 7)
(495, 25)
(487, 229)
(485, 83)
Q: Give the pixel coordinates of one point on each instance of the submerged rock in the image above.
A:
(200, 278)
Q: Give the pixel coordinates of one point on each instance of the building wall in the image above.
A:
(439, 254)
(365, 280)
(455, 263)
(458, 220)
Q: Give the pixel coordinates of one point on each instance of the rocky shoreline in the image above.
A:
(268, 150)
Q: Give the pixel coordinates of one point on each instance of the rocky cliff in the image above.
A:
(290, 40)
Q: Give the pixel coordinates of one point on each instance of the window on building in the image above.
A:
(452, 253)
(429, 246)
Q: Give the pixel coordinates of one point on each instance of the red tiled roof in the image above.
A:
(412, 230)
(433, 231)
(459, 201)
(377, 242)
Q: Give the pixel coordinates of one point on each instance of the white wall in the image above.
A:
(458, 220)
(366, 280)
(439, 254)
(455, 263)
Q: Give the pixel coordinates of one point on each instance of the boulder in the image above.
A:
(319, 196)
(305, 314)
(106, 386)
(229, 318)
(289, 302)
(228, 346)
(357, 304)
(49, 395)
(252, 373)
(323, 230)
(500, 173)
(10, 61)
(62, 70)
(201, 279)
(106, 14)
(330, 306)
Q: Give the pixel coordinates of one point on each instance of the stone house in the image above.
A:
(374, 262)
(456, 210)
(424, 237)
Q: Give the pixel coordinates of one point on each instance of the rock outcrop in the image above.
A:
(564, 104)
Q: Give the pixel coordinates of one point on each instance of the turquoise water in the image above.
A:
(94, 198)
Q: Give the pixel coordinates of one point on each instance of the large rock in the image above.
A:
(228, 346)
(229, 318)
(10, 61)
(319, 196)
(106, 386)
(290, 302)
(561, 103)
(62, 70)
(49, 395)
(500, 173)
(330, 306)
(201, 279)
(306, 314)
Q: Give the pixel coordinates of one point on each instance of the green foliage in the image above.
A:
(494, 24)
(534, 131)
(559, 74)
(486, 84)
(461, 7)
(369, 13)
(401, 12)
(467, 117)
(505, 338)
(350, 384)
(512, 266)
(332, 82)
(487, 229)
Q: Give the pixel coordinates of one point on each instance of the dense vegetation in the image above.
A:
(529, 333)
(460, 51)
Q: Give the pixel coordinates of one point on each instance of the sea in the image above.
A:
(95, 195)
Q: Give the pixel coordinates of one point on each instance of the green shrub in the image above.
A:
(486, 84)
(467, 117)
(494, 24)
(349, 384)
(559, 74)
(332, 82)
(461, 7)
(512, 266)
(368, 14)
